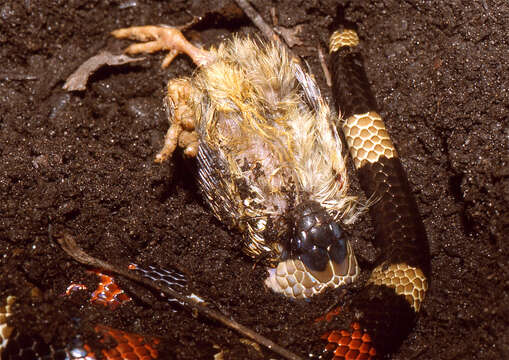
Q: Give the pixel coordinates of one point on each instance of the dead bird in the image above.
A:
(270, 160)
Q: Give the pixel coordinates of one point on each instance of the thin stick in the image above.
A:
(325, 69)
(266, 30)
(70, 246)
(257, 19)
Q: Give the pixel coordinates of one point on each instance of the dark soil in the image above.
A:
(83, 163)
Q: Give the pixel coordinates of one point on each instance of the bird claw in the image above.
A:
(157, 38)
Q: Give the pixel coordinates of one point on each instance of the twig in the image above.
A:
(325, 69)
(257, 19)
(70, 246)
(266, 30)
(275, 20)
(78, 79)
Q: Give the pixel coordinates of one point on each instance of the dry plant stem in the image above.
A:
(77, 81)
(256, 18)
(325, 69)
(70, 246)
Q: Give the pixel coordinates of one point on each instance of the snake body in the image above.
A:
(388, 304)
(252, 193)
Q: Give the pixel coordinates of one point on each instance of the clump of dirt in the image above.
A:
(83, 162)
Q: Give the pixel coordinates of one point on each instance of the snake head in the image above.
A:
(316, 256)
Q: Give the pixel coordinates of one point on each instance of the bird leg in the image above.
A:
(157, 38)
(181, 92)
(182, 130)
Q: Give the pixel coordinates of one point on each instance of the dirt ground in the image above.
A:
(83, 162)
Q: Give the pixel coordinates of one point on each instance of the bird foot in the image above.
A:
(157, 38)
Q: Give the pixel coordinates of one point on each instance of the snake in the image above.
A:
(387, 305)
(318, 256)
